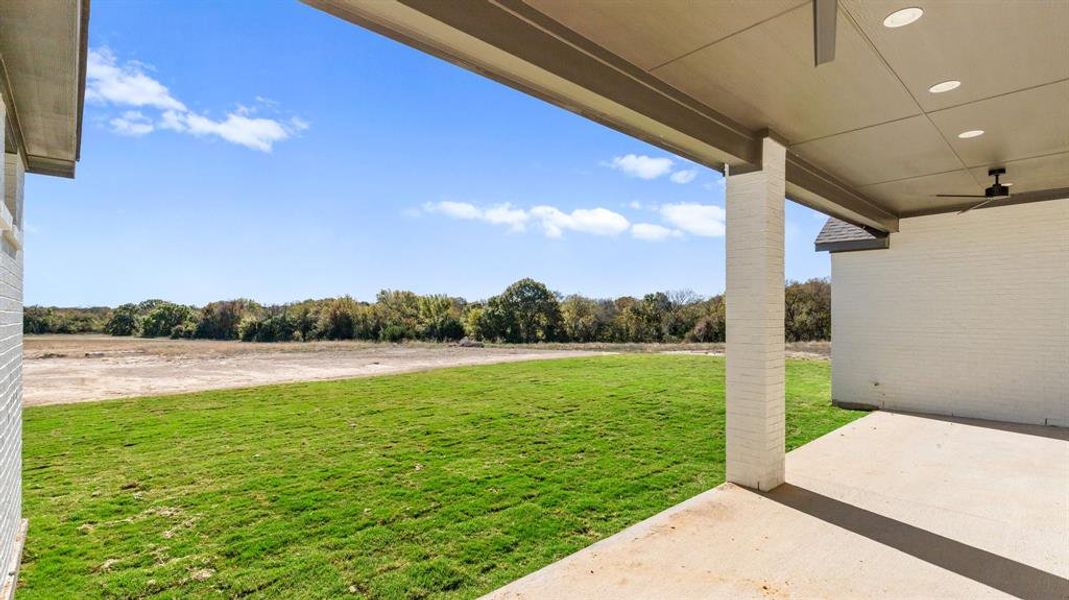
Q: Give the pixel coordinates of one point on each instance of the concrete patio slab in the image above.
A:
(892, 505)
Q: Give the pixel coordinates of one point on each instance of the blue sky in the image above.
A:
(267, 150)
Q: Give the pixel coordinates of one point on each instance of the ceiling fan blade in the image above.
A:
(824, 14)
(981, 205)
(960, 196)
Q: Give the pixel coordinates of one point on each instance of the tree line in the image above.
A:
(525, 312)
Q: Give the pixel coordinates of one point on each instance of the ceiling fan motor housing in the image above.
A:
(997, 189)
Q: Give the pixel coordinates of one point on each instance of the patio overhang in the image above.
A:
(865, 136)
(866, 141)
(43, 84)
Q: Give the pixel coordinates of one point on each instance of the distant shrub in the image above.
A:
(808, 310)
(185, 330)
(473, 322)
(220, 320)
(438, 318)
(337, 322)
(164, 318)
(123, 321)
(395, 333)
(282, 328)
(447, 329)
(249, 329)
(37, 319)
(712, 325)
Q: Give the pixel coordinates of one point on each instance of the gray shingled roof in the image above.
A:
(840, 236)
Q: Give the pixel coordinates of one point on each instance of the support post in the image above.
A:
(755, 331)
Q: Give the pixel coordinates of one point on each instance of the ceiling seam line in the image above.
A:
(888, 122)
(1033, 157)
(908, 178)
(1010, 93)
(687, 102)
(856, 129)
(728, 36)
(894, 73)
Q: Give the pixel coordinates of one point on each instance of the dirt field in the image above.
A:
(77, 368)
(62, 369)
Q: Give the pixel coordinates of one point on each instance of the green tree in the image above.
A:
(339, 319)
(525, 312)
(38, 319)
(807, 314)
(220, 320)
(473, 316)
(711, 326)
(439, 318)
(123, 321)
(164, 318)
(580, 319)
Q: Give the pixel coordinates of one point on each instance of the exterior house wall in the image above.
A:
(964, 315)
(11, 182)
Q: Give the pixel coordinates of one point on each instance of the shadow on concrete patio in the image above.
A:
(979, 565)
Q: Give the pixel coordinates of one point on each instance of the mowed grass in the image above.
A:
(440, 484)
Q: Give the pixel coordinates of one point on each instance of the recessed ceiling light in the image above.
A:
(901, 18)
(971, 133)
(945, 86)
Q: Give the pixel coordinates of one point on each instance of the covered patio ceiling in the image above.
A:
(867, 141)
(44, 83)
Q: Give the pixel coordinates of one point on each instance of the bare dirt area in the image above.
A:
(60, 369)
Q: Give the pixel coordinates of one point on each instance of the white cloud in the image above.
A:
(238, 128)
(598, 221)
(552, 221)
(649, 231)
(125, 85)
(698, 219)
(111, 83)
(504, 214)
(705, 220)
(634, 205)
(457, 210)
(132, 123)
(641, 166)
(685, 176)
(500, 214)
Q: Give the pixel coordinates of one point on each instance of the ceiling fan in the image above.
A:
(997, 191)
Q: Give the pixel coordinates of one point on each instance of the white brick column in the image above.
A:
(755, 336)
(12, 526)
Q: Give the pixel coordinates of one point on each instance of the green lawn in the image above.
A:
(441, 484)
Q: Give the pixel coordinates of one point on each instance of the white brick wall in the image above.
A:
(964, 315)
(10, 370)
(755, 370)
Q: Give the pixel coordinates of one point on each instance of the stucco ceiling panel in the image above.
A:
(895, 150)
(1024, 124)
(764, 77)
(990, 46)
(648, 33)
